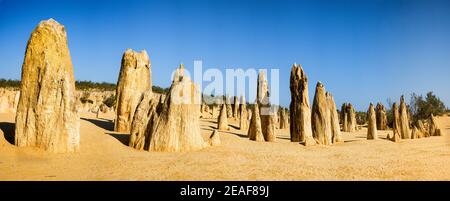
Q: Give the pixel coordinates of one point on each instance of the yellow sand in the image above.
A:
(104, 155)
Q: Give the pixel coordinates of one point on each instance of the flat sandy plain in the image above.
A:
(104, 155)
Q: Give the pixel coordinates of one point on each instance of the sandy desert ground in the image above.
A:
(104, 155)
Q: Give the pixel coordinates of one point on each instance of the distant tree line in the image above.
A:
(8, 83)
(87, 85)
(80, 85)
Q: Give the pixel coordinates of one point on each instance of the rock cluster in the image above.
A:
(93, 101)
(172, 124)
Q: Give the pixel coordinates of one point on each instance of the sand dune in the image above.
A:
(104, 155)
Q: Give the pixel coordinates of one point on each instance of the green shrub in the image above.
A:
(422, 107)
(361, 118)
(159, 90)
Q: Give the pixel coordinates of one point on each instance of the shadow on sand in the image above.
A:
(122, 137)
(233, 126)
(103, 123)
(8, 130)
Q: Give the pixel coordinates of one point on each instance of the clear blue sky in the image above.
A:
(363, 51)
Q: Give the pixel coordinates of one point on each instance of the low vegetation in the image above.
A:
(80, 85)
(421, 107)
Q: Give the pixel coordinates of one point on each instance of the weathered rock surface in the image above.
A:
(334, 119)
(380, 111)
(236, 107)
(215, 111)
(214, 139)
(92, 100)
(434, 130)
(422, 128)
(344, 117)
(267, 112)
(321, 120)
(299, 108)
(205, 111)
(395, 124)
(143, 120)
(222, 122)
(9, 99)
(255, 131)
(47, 115)
(415, 133)
(229, 107)
(134, 79)
(405, 131)
(170, 122)
(284, 119)
(372, 126)
(348, 115)
(177, 127)
(243, 115)
(269, 123)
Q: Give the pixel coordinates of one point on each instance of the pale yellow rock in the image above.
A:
(321, 119)
(214, 139)
(134, 79)
(9, 99)
(405, 131)
(222, 122)
(143, 120)
(284, 122)
(396, 124)
(243, 115)
(422, 128)
(177, 127)
(91, 100)
(255, 131)
(352, 126)
(348, 118)
(334, 119)
(372, 127)
(380, 111)
(229, 107)
(236, 107)
(434, 130)
(47, 115)
(267, 112)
